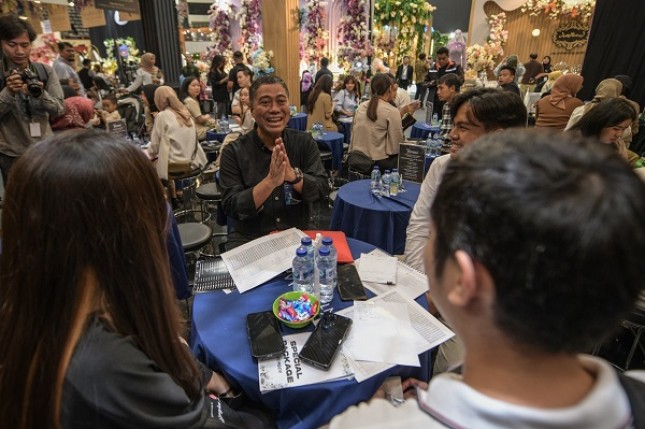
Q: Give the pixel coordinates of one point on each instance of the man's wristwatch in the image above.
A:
(298, 178)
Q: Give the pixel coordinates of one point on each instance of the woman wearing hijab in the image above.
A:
(606, 89)
(147, 73)
(78, 113)
(174, 139)
(554, 110)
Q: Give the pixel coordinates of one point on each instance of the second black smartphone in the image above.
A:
(324, 343)
(263, 330)
(350, 286)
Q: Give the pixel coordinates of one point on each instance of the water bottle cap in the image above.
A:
(305, 241)
(327, 241)
(387, 171)
(301, 251)
(376, 167)
(395, 170)
(324, 251)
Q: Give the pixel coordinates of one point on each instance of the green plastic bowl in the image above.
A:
(294, 296)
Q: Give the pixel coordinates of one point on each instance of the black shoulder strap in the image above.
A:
(42, 73)
(635, 391)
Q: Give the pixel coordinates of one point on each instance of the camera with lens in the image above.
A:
(33, 83)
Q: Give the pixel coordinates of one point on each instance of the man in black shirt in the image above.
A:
(270, 175)
(506, 80)
(86, 74)
(324, 62)
(238, 58)
(442, 66)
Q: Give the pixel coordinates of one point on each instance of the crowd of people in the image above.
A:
(523, 235)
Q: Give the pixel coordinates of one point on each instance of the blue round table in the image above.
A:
(421, 130)
(216, 135)
(298, 121)
(334, 142)
(380, 221)
(219, 339)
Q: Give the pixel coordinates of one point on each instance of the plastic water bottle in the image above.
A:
(303, 272)
(394, 182)
(435, 119)
(385, 183)
(376, 180)
(308, 244)
(329, 242)
(327, 274)
(223, 124)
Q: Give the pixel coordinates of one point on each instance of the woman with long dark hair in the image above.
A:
(607, 123)
(320, 106)
(189, 94)
(378, 130)
(90, 329)
(218, 80)
(347, 99)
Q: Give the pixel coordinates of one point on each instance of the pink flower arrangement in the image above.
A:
(315, 36)
(250, 19)
(220, 14)
(481, 57)
(353, 32)
(554, 9)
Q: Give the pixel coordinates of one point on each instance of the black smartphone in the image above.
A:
(350, 287)
(323, 344)
(264, 335)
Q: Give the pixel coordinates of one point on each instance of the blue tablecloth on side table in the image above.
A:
(421, 130)
(378, 221)
(216, 135)
(334, 142)
(298, 121)
(347, 123)
(219, 339)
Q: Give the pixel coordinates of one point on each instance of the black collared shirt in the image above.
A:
(244, 164)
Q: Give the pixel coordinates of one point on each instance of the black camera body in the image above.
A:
(33, 83)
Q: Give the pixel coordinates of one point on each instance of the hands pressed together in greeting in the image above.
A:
(280, 169)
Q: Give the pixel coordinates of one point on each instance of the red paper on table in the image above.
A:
(340, 243)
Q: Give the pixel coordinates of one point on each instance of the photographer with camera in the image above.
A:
(30, 93)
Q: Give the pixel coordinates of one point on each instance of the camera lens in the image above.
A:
(35, 90)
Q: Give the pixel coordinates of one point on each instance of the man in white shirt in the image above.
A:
(475, 112)
(534, 258)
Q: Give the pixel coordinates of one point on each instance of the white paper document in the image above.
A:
(426, 326)
(377, 268)
(288, 371)
(409, 281)
(262, 259)
(382, 332)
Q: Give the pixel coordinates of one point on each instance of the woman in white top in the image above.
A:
(174, 139)
(147, 73)
(190, 89)
(244, 119)
(347, 99)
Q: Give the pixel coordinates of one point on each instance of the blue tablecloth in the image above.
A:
(421, 130)
(218, 338)
(334, 142)
(298, 121)
(378, 221)
(216, 135)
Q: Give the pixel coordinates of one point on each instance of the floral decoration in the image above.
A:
(261, 61)
(133, 51)
(555, 9)
(250, 19)
(353, 33)
(482, 57)
(182, 12)
(45, 51)
(220, 14)
(397, 24)
(315, 36)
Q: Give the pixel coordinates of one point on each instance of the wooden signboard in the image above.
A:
(412, 161)
(571, 36)
(59, 17)
(131, 6)
(93, 17)
(118, 128)
(127, 16)
(34, 20)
